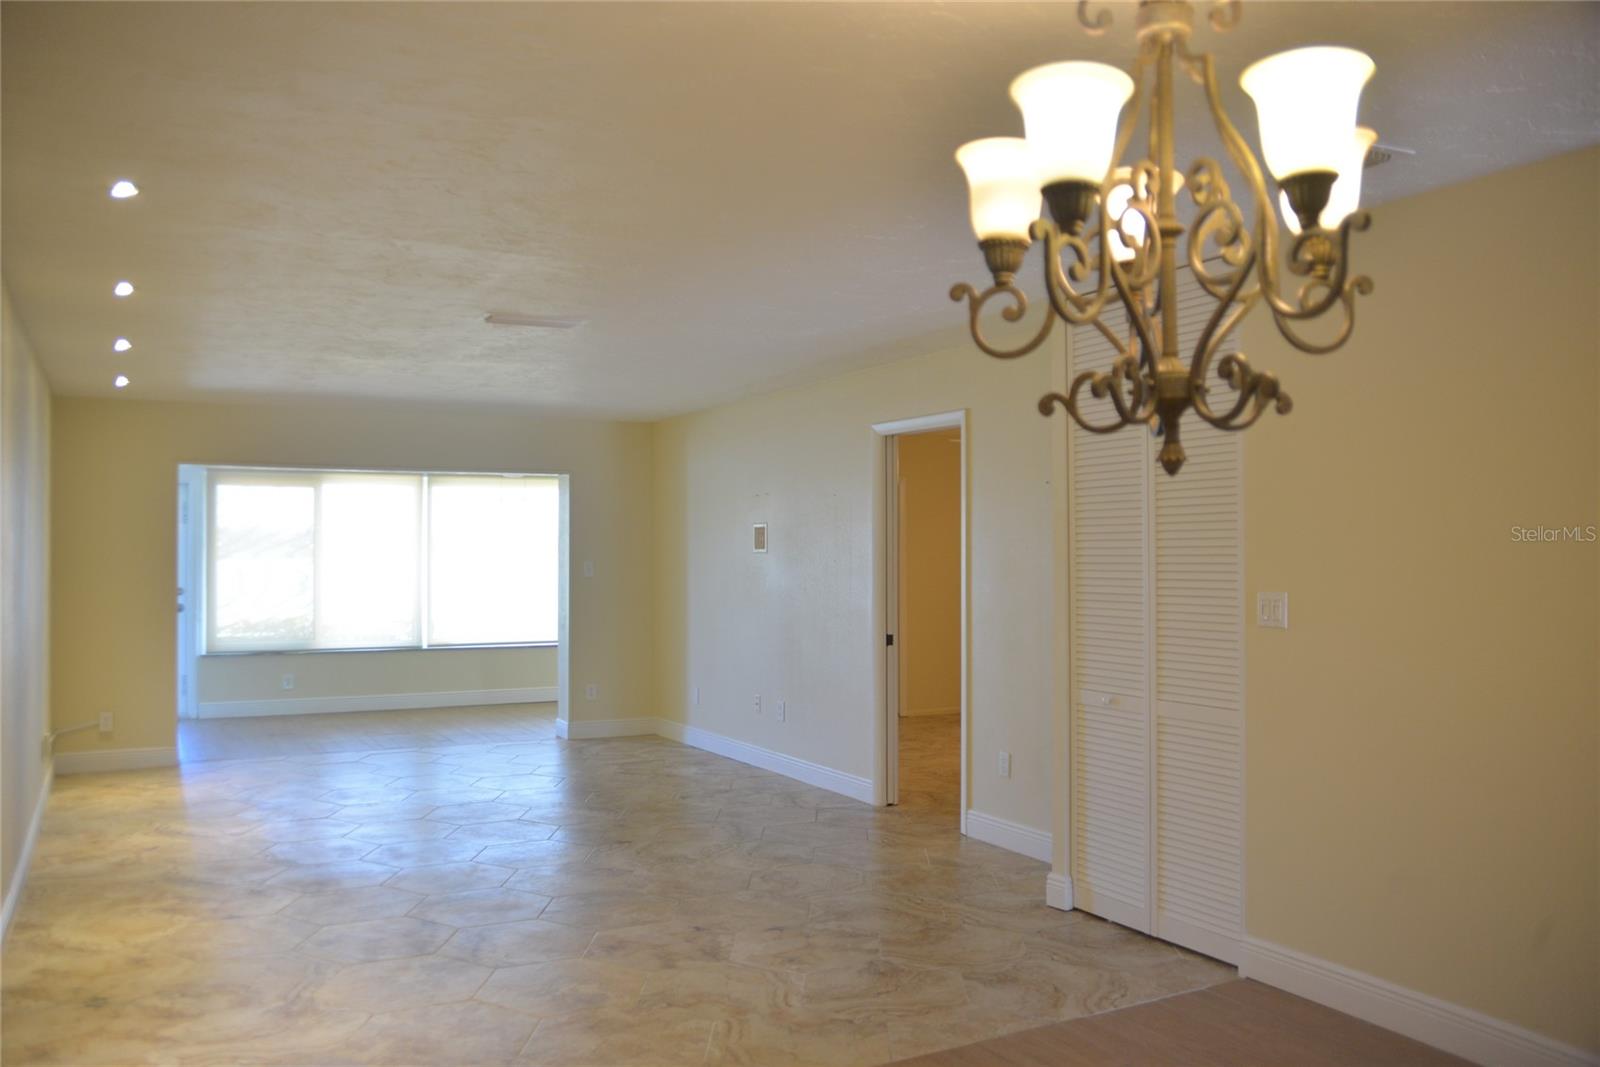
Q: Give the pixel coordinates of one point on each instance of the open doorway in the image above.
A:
(925, 614)
(928, 638)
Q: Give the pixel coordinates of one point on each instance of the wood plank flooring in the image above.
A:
(1235, 1024)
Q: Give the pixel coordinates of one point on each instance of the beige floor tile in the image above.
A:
(541, 901)
(480, 907)
(619, 1039)
(465, 1034)
(511, 944)
(377, 939)
(564, 988)
(390, 985)
(441, 878)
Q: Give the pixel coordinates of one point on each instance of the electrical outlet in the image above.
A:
(1005, 765)
(591, 692)
(105, 722)
(697, 696)
(783, 710)
(758, 703)
(288, 681)
(588, 568)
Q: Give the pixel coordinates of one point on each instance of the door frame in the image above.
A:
(885, 564)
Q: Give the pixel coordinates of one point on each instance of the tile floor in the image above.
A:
(930, 766)
(532, 901)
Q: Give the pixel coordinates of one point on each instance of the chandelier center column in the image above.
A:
(1172, 376)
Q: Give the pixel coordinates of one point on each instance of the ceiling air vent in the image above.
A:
(1379, 154)
(542, 322)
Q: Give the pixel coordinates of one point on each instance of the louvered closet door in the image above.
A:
(1110, 641)
(1199, 679)
(1158, 674)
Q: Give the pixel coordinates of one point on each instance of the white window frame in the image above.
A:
(201, 526)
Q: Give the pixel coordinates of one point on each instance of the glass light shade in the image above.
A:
(1004, 186)
(1306, 102)
(1070, 113)
(1346, 194)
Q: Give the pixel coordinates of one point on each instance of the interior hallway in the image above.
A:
(530, 901)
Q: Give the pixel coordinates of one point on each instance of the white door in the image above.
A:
(191, 498)
(1157, 606)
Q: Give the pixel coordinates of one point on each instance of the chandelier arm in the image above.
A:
(1126, 368)
(1135, 312)
(1101, 385)
(1219, 325)
(1014, 313)
(1094, 25)
(1224, 15)
(1346, 297)
(1218, 219)
(1239, 151)
(1142, 175)
(1258, 389)
(1075, 307)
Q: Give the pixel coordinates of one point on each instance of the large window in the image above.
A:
(339, 560)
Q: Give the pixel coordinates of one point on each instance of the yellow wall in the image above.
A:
(929, 632)
(1422, 742)
(24, 589)
(796, 623)
(115, 477)
(259, 676)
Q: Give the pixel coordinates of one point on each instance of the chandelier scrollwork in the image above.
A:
(1112, 238)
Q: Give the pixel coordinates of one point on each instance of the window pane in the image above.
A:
(367, 539)
(493, 548)
(262, 584)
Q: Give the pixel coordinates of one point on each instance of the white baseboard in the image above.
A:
(578, 729)
(563, 729)
(850, 785)
(1058, 891)
(19, 873)
(249, 709)
(1463, 1031)
(115, 759)
(1009, 835)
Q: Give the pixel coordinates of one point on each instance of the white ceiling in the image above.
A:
(735, 196)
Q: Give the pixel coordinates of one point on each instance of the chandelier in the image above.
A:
(1112, 236)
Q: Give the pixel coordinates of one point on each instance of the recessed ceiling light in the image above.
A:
(121, 344)
(120, 381)
(123, 288)
(123, 189)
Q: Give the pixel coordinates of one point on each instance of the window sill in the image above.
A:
(381, 648)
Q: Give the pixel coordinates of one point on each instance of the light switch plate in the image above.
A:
(758, 537)
(1272, 610)
(591, 692)
(1005, 765)
(588, 568)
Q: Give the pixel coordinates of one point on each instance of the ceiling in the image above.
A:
(733, 196)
